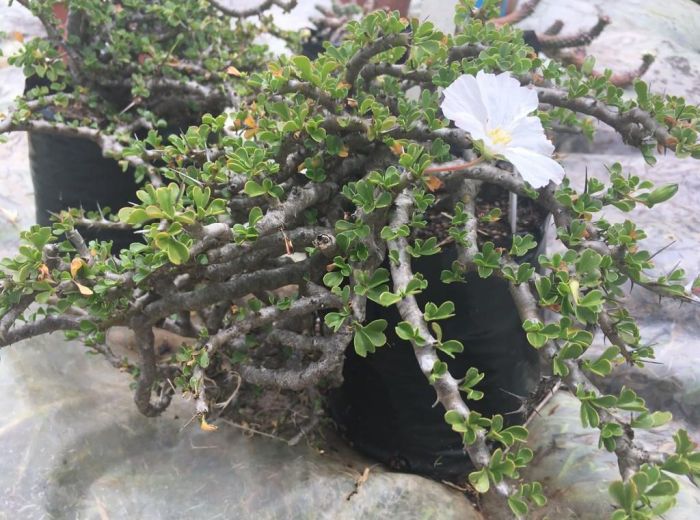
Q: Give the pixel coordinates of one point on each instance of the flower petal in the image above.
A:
(462, 97)
(528, 133)
(471, 125)
(504, 98)
(535, 168)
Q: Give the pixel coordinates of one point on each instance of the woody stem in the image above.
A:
(455, 167)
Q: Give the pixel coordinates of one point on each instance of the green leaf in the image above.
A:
(480, 480)
(433, 312)
(662, 194)
(451, 347)
(589, 415)
(369, 336)
(628, 400)
(388, 298)
(133, 216)
(648, 420)
(177, 252)
(335, 320)
(303, 64)
(624, 494)
(333, 279)
(253, 189)
(592, 299)
(518, 506)
(453, 417)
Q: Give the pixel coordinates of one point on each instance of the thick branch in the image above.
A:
(37, 328)
(269, 314)
(148, 372)
(446, 386)
(330, 364)
(578, 40)
(359, 60)
(633, 125)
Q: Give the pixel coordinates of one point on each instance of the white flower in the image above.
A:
(494, 109)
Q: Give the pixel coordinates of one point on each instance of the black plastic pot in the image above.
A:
(70, 172)
(386, 408)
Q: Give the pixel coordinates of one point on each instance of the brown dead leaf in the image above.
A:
(17, 36)
(433, 183)
(233, 71)
(359, 481)
(397, 148)
(252, 125)
(44, 273)
(206, 427)
(84, 290)
(344, 152)
(76, 265)
(288, 245)
(249, 121)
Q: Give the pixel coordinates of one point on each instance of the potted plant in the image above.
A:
(96, 66)
(269, 227)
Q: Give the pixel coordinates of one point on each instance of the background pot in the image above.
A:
(386, 408)
(70, 172)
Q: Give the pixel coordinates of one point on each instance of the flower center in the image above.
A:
(499, 136)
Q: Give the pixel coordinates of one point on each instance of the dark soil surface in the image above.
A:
(530, 218)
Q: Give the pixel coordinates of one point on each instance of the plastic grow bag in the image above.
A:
(72, 172)
(387, 409)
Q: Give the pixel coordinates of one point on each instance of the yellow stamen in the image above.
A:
(499, 136)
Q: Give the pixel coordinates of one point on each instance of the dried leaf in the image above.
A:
(397, 148)
(76, 265)
(344, 152)
(10, 215)
(363, 478)
(288, 245)
(233, 71)
(434, 184)
(44, 273)
(206, 427)
(275, 69)
(84, 290)
(18, 36)
(252, 125)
